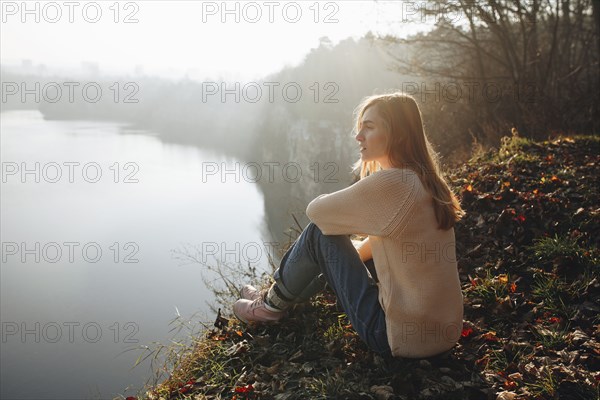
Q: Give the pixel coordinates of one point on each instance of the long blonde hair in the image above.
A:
(408, 147)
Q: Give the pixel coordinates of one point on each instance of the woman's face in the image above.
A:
(373, 137)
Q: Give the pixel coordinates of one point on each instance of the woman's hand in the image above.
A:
(364, 249)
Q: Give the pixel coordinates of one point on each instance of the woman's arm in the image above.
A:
(377, 205)
(364, 250)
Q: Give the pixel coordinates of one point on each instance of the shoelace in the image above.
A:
(258, 303)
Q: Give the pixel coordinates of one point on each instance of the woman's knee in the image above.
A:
(313, 228)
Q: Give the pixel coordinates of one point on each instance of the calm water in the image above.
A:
(87, 268)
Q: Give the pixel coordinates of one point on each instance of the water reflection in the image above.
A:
(70, 300)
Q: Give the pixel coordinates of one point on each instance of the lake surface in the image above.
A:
(90, 215)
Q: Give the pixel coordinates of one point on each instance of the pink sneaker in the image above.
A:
(256, 311)
(249, 292)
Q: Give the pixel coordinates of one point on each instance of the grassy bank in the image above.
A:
(529, 267)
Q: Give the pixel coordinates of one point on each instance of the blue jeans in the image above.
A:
(316, 259)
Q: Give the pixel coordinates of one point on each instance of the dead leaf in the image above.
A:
(505, 395)
(383, 392)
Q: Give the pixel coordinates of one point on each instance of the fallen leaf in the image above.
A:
(505, 395)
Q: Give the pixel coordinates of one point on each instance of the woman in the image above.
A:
(412, 304)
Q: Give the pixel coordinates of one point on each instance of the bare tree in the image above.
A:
(539, 56)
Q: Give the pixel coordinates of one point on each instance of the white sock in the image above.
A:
(274, 301)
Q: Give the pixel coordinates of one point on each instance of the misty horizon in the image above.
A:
(241, 48)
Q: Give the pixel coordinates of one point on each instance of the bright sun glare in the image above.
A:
(201, 38)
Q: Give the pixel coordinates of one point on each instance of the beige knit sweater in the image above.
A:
(419, 287)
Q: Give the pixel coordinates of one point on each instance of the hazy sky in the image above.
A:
(198, 37)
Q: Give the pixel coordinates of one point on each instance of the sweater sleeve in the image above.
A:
(377, 205)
